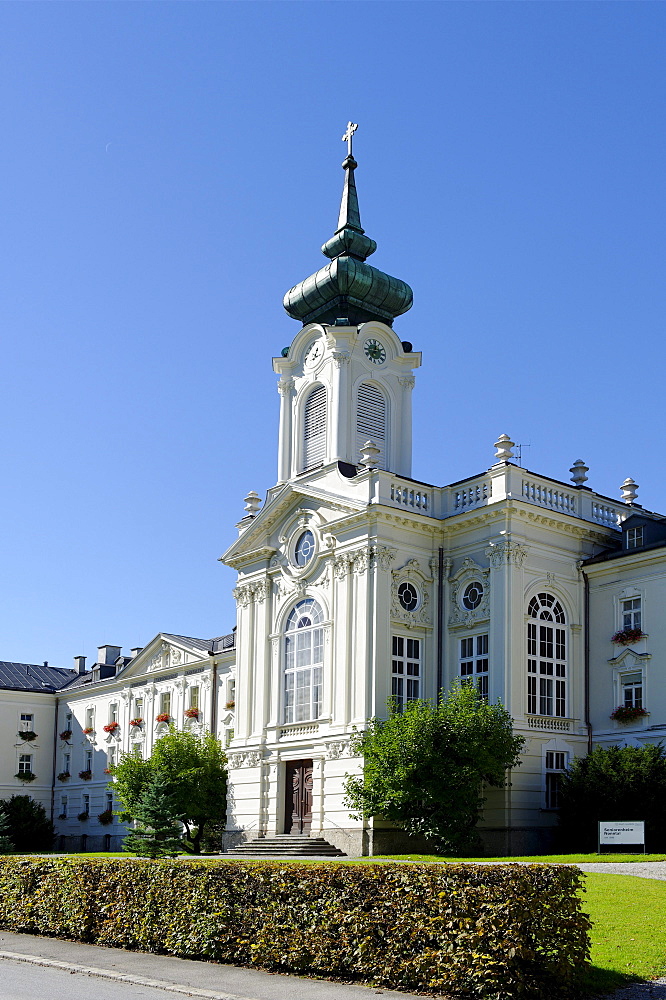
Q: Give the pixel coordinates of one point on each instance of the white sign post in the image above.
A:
(621, 833)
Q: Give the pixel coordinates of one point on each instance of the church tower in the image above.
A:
(346, 379)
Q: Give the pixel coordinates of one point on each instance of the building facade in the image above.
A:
(356, 584)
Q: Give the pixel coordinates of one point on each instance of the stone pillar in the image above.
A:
(339, 437)
(285, 443)
(404, 458)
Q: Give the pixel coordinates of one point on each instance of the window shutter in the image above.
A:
(371, 421)
(314, 428)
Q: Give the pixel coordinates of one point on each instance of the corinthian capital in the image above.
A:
(285, 386)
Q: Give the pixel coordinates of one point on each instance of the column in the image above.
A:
(403, 463)
(339, 437)
(286, 390)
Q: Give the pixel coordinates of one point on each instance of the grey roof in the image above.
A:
(205, 645)
(33, 677)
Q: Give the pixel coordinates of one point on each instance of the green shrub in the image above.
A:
(496, 932)
(614, 783)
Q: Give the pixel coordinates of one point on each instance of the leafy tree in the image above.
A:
(614, 783)
(6, 843)
(424, 766)
(195, 768)
(157, 834)
(29, 827)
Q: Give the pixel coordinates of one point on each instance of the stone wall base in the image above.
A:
(73, 844)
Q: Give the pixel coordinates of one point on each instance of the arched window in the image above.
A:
(546, 657)
(314, 428)
(303, 662)
(371, 420)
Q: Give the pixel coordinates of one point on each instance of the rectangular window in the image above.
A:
(406, 670)
(228, 737)
(474, 662)
(138, 708)
(90, 718)
(110, 757)
(113, 712)
(165, 703)
(27, 722)
(109, 800)
(66, 762)
(63, 807)
(86, 805)
(194, 697)
(634, 537)
(68, 721)
(632, 690)
(89, 760)
(25, 763)
(631, 613)
(556, 763)
(546, 670)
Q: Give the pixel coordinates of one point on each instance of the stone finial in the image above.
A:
(369, 453)
(504, 444)
(252, 503)
(578, 472)
(629, 490)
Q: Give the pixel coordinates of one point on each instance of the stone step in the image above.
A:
(286, 845)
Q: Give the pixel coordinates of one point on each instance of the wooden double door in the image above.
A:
(298, 804)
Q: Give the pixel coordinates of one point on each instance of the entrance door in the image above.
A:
(298, 805)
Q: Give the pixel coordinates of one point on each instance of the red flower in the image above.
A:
(162, 717)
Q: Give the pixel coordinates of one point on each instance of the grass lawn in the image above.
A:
(560, 859)
(628, 929)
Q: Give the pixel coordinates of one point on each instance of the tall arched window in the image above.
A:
(314, 428)
(303, 662)
(546, 657)
(371, 420)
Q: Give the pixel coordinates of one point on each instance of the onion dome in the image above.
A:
(347, 288)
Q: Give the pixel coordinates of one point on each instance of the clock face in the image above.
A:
(375, 352)
(313, 353)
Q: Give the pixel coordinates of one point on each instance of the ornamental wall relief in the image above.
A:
(469, 595)
(410, 595)
(506, 552)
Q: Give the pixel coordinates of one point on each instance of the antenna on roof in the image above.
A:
(519, 449)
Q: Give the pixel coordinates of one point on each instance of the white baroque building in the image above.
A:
(357, 583)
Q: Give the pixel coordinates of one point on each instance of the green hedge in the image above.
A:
(495, 932)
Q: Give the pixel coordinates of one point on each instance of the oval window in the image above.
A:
(408, 596)
(473, 596)
(304, 548)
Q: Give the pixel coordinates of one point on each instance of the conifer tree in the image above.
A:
(156, 834)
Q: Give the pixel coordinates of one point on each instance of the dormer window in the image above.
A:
(634, 537)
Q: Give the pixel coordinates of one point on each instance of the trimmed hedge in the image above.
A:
(495, 931)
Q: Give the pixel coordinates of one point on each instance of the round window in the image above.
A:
(304, 550)
(408, 596)
(472, 596)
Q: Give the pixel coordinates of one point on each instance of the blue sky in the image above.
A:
(169, 170)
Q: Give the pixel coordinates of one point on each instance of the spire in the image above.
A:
(348, 288)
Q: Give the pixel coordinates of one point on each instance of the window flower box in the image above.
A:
(627, 635)
(62, 816)
(230, 704)
(85, 775)
(106, 817)
(112, 727)
(107, 770)
(64, 776)
(27, 735)
(136, 722)
(88, 731)
(82, 817)
(163, 717)
(191, 713)
(66, 735)
(25, 776)
(627, 713)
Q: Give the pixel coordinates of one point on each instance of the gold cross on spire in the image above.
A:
(347, 137)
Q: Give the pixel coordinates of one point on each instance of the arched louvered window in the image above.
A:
(546, 657)
(314, 428)
(371, 420)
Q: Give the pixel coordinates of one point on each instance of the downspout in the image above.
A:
(440, 622)
(55, 757)
(586, 662)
